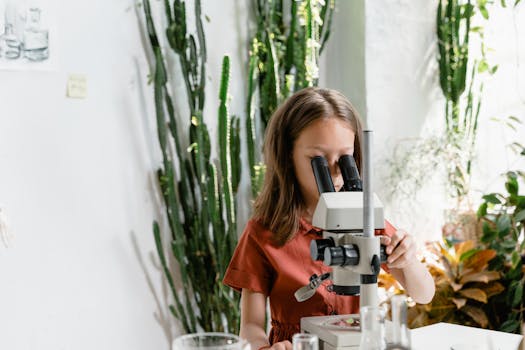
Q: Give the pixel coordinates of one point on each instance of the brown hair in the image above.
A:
(279, 205)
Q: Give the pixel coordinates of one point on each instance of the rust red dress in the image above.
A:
(277, 272)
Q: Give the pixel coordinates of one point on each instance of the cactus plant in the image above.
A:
(199, 197)
(284, 58)
(461, 114)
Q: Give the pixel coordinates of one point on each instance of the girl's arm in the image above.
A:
(407, 269)
(253, 317)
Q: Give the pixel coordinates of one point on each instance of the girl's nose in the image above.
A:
(335, 172)
(334, 167)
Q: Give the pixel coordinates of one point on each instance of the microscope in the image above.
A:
(348, 219)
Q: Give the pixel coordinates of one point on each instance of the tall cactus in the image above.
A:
(199, 199)
(453, 31)
(461, 112)
(284, 58)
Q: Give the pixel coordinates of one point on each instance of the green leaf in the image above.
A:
(481, 3)
(520, 216)
(484, 12)
(518, 294)
(476, 29)
(483, 66)
(516, 258)
(503, 4)
(508, 244)
(503, 223)
(491, 198)
(512, 184)
(468, 254)
(488, 233)
(482, 210)
(510, 326)
(494, 69)
(514, 274)
(515, 119)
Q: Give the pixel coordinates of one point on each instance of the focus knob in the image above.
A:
(341, 255)
(317, 247)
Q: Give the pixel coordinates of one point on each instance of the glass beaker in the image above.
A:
(210, 341)
(372, 328)
(305, 341)
(400, 333)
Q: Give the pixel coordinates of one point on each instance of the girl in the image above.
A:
(272, 258)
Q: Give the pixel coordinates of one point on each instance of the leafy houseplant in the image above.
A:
(199, 196)
(464, 286)
(503, 217)
(283, 58)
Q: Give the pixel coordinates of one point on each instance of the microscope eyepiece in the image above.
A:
(350, 173)
(322, 175)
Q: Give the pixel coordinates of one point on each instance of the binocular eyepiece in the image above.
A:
(349, 172)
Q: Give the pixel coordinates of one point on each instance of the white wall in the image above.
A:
(75, 183)
(342, 64)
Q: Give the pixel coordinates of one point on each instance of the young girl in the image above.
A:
(272, 258)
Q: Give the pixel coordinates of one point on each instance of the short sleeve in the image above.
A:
(249, 267)
(388, 231)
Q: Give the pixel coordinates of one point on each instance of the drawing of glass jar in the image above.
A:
(35, 38)
(9, 43)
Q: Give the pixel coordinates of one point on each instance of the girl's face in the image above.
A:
(327, 137)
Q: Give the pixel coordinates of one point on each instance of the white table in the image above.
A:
(443, 336)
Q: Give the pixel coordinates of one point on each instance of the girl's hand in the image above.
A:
(401, 250)
(282, 345)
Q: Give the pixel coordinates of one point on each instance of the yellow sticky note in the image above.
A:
(76, 86)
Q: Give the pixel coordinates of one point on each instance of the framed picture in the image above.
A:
(27, 35)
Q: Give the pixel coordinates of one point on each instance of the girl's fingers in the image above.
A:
(400, 250)
(282, 345)
(394, 240)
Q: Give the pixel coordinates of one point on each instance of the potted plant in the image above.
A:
(464, 286)
(503, 218)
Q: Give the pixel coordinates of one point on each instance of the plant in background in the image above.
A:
(283, 58)
(199, 197)
(455, 148)
(503, 217)
(461, 112)
(461, 116)
(464, 286)
(453, 152)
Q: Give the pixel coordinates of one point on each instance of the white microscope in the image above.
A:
(348, 219)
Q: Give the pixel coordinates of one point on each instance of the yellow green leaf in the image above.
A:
(449, 258)
(477, 314)
(456, 286)
(475, 294)
(463, 247)
(493, 288)
(460, 302)
(484, 277)
(480, 260)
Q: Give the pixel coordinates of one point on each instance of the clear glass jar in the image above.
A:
(372, 328)
(210, 341)
(400, 334)
(305, 341)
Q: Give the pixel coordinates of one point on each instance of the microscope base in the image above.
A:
(331, 338)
